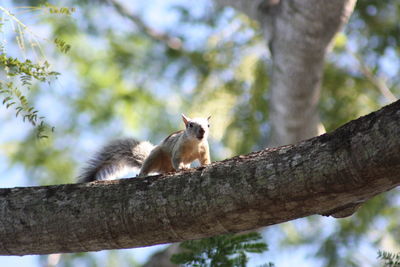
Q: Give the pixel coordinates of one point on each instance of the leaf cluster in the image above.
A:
(62, 45)
(26, 69)
(224, 250)
(60, 10)
(20, 75)
(390, 259)
(11, 95)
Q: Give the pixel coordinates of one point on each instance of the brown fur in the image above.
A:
(180, 149)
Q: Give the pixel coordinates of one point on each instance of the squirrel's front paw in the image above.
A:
(184, 167)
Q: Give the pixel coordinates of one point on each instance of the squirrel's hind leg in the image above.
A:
(157, 161)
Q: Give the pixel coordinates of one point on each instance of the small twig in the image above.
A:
(172, 42)
(23, 27)
(378, 82)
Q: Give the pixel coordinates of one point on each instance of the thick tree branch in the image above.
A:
(329, 174)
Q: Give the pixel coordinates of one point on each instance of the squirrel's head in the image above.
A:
(197, 128)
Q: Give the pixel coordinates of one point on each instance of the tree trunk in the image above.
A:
(298, 33)
(331, 175)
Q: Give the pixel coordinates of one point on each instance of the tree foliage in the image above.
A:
(225, 250)
(19, 75)
(390, 259)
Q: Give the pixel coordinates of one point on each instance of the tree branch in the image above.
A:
(378, 82)
(330, 174)
(172, 42)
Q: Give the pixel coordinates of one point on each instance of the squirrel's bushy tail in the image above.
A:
(116, 157)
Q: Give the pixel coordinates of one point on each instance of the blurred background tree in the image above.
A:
(133, 66)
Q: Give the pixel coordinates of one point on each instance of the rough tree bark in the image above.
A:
(298, 33)
(330, 175)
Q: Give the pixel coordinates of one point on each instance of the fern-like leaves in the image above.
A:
(225, 250)
(390, 259)
(12, 96)
(20, 75)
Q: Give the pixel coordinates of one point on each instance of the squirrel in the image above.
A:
(177, 151)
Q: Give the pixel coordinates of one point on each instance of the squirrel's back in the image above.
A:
(117, 157)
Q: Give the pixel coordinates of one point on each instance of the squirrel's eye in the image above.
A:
(190, 125)
(208, 126)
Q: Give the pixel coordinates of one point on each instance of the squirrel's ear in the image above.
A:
(209, 117)
(185, 119)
